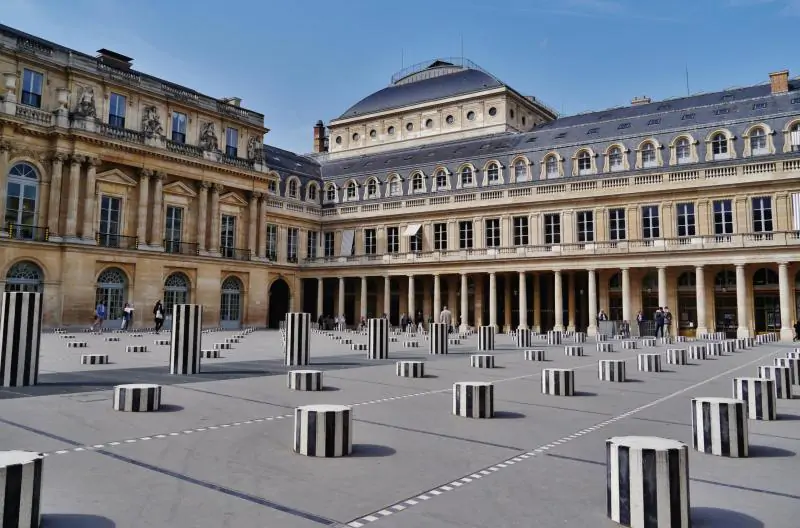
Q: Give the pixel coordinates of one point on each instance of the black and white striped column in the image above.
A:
(697, 352)
(554, 337)
(298, 339)
(760, 396)
(648, 342)
(647, 481)
(94, 359)
(629, 344)
(304, 380)
(438, 342)
(410, 369)
(558, 382)
(486, 338)
(573, 350)
(579, 337)
(714, 349)
(611, 370)
(20, 335)
(605, 346)
(719, 427)
(782, 377)
(324, 431)
(535, 355)
(481, 361)
(523, 337)
(676, 356)
(793, 364)
(473, 399)
(378, 338)
(137, 397)
(185, 346)
(649, 362)
(20, 489)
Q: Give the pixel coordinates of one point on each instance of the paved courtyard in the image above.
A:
(218, 454)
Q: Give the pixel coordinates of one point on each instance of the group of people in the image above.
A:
(101, 314)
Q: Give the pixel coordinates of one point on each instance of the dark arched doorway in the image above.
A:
(278, 302)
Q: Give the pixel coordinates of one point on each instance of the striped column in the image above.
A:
(629, 345)
(486, 338)
(187, 326)
(647, 482)
(676, 356)
(535, 355)
(558, 382)
(378, 338)
(580, 337)
(523, 337)
(410, 369)
(473, 399)
(298, 339)
(20, 489)
(649, 362)
(304, 380)
(793, 364)
(719, 426)
(20, 333)
(697, 351)
(481, 361)
(553, 337)
(94, 359)
(782, 376)
(611, 370)
(714, 349)
(759, 395)
(605, 347)
(324, 431)
(649, 342)
(137, 397)
(573, 350)
(438, 343)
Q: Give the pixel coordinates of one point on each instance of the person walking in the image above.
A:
(99, 317)
(659, 319)
(446, 317)
(667, 322)
(640, 322)
(158, 315)
(127, 315)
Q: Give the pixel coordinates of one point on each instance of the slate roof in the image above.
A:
(289, 162)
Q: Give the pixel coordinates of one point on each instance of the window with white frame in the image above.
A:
(329, 244)
(32, 82)
(417, 183)
(179, 121)
(719, 146)
(372, 188)
(352, 190)
(272, 242)
(441, 179)
(292, 188)
(616, 225)
(227, 236)
(465, 234)
(370, 241)
(723, 217)
(758, 142)
(466, 176)
(116, 110)
(492, 226)
(395, 186)
(650, 222)
(615, 161)
(551, 166)
(649, 157)
(292, 237)
(415, 241)
(584, 162)
(683, 151)
(393, 239)
(272, 186)
(762, 214)
(493, 173)
(585, 226)
(440, 237)
(794, 137)
(330, 193)
(231, 142)
(552, 228)
(312, 193)
(311, 245)
(520, 171)
(173, 229)
(110, 220)
(521, 227)
(685, 219)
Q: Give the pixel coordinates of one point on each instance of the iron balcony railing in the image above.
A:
(181, 248)
(235, 253)
(113, 240)
(28, 232)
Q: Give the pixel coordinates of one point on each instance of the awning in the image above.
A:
(412, 229)
(346, 248)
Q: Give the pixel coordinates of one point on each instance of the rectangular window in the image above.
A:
(415, 241)
(492, 226)
(179, 127)
(329, 244)
(650, 222)
(32, 88)
(440, 237)
(616, 225)
(110, 209)
(552, 228)
(231, 142)
(521, 231)
(311, 245)
(393, 240)
(686, 220)
(272, 242)
(723, 217)
(762, 214)
(370, 241)
(465, 235)
(293, 234)
(585, 226)
(116, 110)
(173, 227)
(227, 236)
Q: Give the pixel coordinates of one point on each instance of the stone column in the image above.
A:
(493, 300)
(592, 329)
(523, 301)
(412, 309)
(340, 304)
(262, 233)
(537, 302)
(213, 247)
(202, 214)
(387, 295)
(787, 334)
(320, 290)
(662, 287)
(89, 200)
(571, 302)
(5, 154)
(558, 305)
(144, 199)
(156, 229)
(742, 317)
(700, 293)
(464, 302)
(626, 296)
(252, 229)
(452, 298)
(437, 297)
(363, 307)
(54, 207)
(75, 163)
(507, 303)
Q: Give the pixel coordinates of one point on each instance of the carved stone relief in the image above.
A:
(208, 137)
(86, 104)
(151, 122)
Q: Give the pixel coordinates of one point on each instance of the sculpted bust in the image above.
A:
(151, 122)
(86, 106)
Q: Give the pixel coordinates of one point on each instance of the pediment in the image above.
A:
(232, 198)
(116, 176)
(181, 189)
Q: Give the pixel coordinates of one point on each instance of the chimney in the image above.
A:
(320, 141)
(233, 101)
(779, 81)
(640, 100)
(114, 59)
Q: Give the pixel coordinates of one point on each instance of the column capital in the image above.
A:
(783, 263)
(739, 265)
(5, 146)
(699, 267)
(145, 173)
(256, 195)
(93, 162)
(217, 188)
(76, 159)
(158, 176)
(57, 157)
(203, 186)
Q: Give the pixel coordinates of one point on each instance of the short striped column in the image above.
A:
(629, 344)
(611, 370)
(680, 339)
(649, 342)
(298, 341)
(535, 355)
(486, 338)
(601, 337)
(554, 337)
(410, 344)
(794, 354)
(782, 377)
(759, 395)
(378, 338)
(137, 397)
(579, 337)
(481, 361)
(473, 399)
(793, 364)
(112, 339)
(573, 350)
(185, 344)
(162, 342)
(676, 356)
(741, 343)
(729, 346)
(136, 348)
(605, 347)
(410, 369)
(666, 340)
(20, 335)
(523, 337)
(697, 352)
(20, 489)
(209, 354)
(324, 431)
(719, 427)
(649, 362)
(647, 482)
(558, 382)
(438, 343)
(94, 359)
(304, 380)
(714, 349)
(77, 344)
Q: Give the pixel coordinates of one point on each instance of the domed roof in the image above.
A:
(429, 81)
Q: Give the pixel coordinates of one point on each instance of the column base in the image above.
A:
(558, 328)
(522, 327)
(507, 328)
(701, 330)
(787, 335)
(742, 332)
(571, 328)
(592, 330)
(463, 327)
(536, 329)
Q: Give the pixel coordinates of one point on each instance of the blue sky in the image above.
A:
(303, 60)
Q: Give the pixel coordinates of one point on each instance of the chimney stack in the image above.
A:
(779, 81)
(320, 141)
(640, 100)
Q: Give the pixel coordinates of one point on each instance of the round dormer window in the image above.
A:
(471, 115)
(450, 120)
(338, 140)
(493, 111)
(409, 126)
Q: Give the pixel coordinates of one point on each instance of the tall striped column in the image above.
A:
(523, 338)
(486, 338)
(187, 326)
(438, 342)
(378, 337)
(20, 488)
(719, 426)
(20, 335)
(298, 338)
(759, 395)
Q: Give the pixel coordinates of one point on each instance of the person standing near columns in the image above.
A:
(558, 304)
(523, 301)
(592, 330)
(464, 303)
(75, 163)
(54, 207)
(156, 231)
(786, 307)
(700, 293)
(214, 245)
(742, 317)
(202, 216)
(89, 200)
(493, 300)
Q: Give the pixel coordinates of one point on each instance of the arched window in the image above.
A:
(312, 193)
(683, 151)
(24, 276)
(725, 280)
(584, 162)
(615, 161)
(441, 179)
(649, 158)
(176, 291)
(520, 171)
(352, 190)
(794, 137)
(396, 186)
(112, 291)
(687, 281)
(22, 193)
(493, 173)
(758, 142)
(230, 309)
(417, 183)
(719, 146)
(551, 167)
(466, 176)
(765, 278)
(293, 188)
(330, 193)
(372, 188)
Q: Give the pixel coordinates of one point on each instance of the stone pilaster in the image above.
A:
(90, 200)
(157, 231)
(73, 198)
(144, 202)
(202, 216)
(54, 207)
(558, 304)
